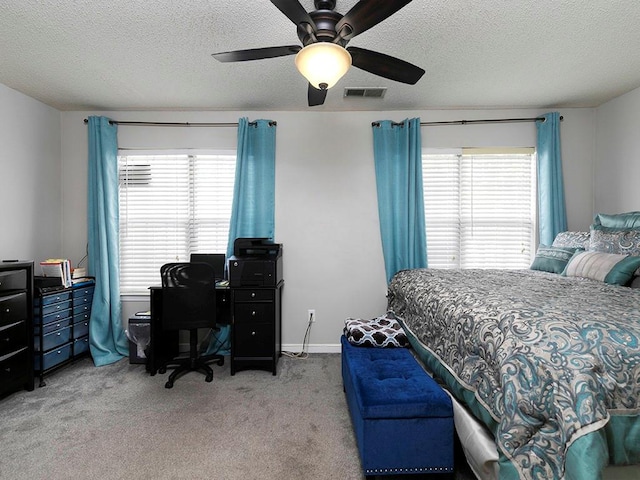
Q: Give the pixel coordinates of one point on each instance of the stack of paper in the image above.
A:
(57, 267)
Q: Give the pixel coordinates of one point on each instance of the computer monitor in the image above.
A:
(216, 260)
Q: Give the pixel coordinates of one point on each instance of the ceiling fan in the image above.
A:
(324, 59)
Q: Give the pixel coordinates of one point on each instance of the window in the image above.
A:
(480, 208)
(171, 206)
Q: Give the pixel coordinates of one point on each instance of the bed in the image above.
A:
(548, 363)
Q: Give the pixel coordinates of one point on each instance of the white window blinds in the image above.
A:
(171, 206)
(480, 209)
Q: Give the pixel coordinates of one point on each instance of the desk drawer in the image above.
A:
(53, 358)
(253, 313)
(13, 337)
(254, 295)
(254, 340)
(53, 339)
(13, 280)
(13, 308)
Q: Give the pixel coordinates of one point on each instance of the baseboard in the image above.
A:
(294, 348)
(313, 348)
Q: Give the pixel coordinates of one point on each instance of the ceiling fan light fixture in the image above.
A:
(323, 64)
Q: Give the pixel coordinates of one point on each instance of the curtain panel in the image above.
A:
(253, 208)
(107, 340)
(397, 150)
(552, 215)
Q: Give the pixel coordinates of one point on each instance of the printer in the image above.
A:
(256, 262)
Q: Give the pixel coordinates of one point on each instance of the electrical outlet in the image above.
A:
(311, 315)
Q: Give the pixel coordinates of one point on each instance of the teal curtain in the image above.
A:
(552, 215)
(253, 209)
(397, 150)
(107, 340)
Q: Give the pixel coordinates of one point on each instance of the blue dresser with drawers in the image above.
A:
(61, 326)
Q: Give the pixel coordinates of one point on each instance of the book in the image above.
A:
(57, 267)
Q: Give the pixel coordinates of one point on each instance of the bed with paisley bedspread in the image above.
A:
(550, 364)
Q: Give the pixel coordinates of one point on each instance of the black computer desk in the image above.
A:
(163, 345)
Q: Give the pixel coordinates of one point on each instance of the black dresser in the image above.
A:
(61, 326)
(256, 337)
(16, 344)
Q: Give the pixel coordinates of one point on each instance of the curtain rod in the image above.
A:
(471, 122)
(177, 124)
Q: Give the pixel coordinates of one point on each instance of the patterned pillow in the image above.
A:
(611, 268)
(608, 240)
(572, 240)
(384, 331)
(552, 259)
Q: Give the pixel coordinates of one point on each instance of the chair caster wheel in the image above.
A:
(162, 370)
(221, 362)
(208, 378)
(168, 385)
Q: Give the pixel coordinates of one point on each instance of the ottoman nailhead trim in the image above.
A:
(408, 470)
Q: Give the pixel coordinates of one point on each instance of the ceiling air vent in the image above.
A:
(374, 92)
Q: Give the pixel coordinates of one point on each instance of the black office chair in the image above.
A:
(189, 303)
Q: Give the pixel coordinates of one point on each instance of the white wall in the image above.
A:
(326, 208)
(617, 158)
(30, 172)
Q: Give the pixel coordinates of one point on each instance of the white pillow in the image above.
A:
(612, 268)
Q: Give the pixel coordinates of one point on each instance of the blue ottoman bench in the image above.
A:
(403, 420)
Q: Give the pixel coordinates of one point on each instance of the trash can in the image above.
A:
(139, 335)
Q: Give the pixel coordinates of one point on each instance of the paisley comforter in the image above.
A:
(547, 359)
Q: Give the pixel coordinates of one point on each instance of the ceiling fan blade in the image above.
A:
(385, 66)
(365, 14)
(315, 96)
(295, 12)
(256, 53)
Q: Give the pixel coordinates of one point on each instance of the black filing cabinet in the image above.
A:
(16, 351)
(61, 326)
(256, 327)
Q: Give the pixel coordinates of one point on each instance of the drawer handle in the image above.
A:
(7, 339)
(7, 310)
(253, 334)
(58, 334)
(253, 294)
(253, 313)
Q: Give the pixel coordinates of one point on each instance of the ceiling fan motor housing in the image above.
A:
(325, 20)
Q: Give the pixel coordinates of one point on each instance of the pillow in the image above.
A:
(384, 331)
(610, 268)
(608, 240)
(620, 220)
(572, 239)
(552, 259)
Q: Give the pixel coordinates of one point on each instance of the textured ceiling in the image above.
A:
(156, 54)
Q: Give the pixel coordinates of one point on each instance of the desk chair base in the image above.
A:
(193, 363)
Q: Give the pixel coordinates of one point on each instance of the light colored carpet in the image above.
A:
(117, 422)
